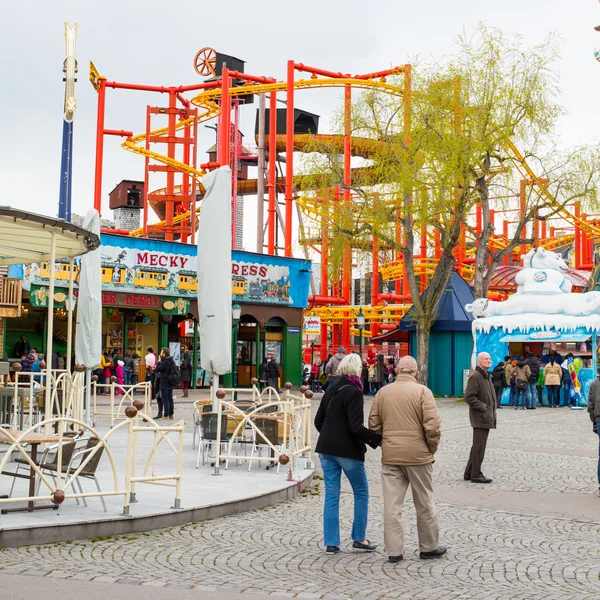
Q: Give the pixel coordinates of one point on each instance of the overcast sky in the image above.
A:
(154, 42)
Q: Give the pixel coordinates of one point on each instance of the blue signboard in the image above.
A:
(136, 265)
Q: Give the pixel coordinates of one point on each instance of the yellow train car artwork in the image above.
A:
(153, 277)
(62, 270)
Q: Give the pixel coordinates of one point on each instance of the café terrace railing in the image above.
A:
(291, 413)
(136, 464)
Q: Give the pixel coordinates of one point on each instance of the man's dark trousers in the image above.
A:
(477, 455)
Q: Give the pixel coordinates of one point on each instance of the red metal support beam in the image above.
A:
(272, 179)
(225, 121)
(324, 285)
(347, 272)
(147, 171)
(315, 71)
(385, 73)
(99, 145)
(170, 190)
(289, 159)
(375, 283)
(118, 133)
(577, 246)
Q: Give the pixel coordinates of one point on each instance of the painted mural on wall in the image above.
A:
(133, 265)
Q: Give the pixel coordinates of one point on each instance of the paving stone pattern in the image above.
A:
(277, 551)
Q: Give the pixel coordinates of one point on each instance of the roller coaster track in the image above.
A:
(208, 101)
(336, 315)
(541, 188)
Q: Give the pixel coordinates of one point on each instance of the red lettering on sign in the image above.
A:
(262, 271)
(253, 269)
(142, 258)
(183, 261)
(113, 299)
(244, 269)
(173, 261)
(154, 260)
(235, 268)
(162, 261)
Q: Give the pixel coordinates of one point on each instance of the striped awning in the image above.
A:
(503, 279)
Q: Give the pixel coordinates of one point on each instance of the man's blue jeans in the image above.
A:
(522, 393)
(532, 399)
(354, 470)
(513, 395)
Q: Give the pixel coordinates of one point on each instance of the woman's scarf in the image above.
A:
(357, 381)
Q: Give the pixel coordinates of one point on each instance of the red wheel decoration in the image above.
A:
(205, 62)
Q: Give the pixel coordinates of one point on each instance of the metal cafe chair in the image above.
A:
(208, 424)
(49, 457)
(88, 472)
(270, 430)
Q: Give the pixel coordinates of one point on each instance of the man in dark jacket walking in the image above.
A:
(594, 412)
(481, 399)
(262, 374)
(273, 373)
(186, 372)
(163, 371)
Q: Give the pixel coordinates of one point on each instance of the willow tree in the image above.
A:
(464, 114)
(511, 92)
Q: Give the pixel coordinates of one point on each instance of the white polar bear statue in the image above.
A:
(542, 273)
(575, 305)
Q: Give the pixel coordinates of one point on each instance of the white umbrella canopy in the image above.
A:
(28, 237)
(88, 341)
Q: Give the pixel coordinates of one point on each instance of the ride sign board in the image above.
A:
(312, 326)
(135, 270)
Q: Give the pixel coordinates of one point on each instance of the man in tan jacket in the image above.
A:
(405, 413)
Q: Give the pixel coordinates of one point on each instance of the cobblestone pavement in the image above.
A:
(526, 554)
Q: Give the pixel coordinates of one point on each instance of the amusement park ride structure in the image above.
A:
(177, 203)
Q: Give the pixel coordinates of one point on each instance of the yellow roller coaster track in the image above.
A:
(336, 315)
(208, 101)
(542, 190)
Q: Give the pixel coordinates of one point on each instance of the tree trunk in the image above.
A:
(422, 333)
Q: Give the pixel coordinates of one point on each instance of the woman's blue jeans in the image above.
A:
(553, 395)
(354, 470)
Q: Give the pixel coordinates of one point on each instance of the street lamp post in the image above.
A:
(236, 313)
(360, 319)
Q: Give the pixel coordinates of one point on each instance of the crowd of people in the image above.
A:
(377, 370)
(527, 376)
(32, 361)
(405, 423)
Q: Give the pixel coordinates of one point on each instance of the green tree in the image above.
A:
(464, 116)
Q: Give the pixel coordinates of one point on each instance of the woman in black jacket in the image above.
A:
(341, 447)
(499, 381)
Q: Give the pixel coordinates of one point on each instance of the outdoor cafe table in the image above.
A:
(34, 440)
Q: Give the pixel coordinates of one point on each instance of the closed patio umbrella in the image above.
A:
(214, 275)
(88, 341)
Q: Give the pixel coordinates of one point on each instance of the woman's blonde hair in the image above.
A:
(350, 365)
